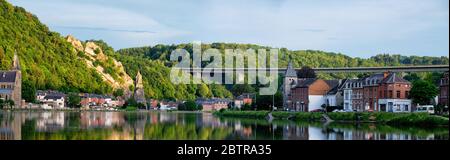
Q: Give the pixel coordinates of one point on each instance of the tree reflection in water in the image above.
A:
(34, 125)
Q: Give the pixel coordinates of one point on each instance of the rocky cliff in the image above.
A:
(111, 70)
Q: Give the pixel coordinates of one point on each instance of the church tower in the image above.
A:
(139, 94)
(290, 80)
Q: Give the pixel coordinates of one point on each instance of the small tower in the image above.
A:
(290, 80)
(139, 94)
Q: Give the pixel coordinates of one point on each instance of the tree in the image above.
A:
(73, 100)
(28, 92)
(130, 102)
(182, 107)
(422, 92)
(433, 78)
(1, 103)
(306, 72)
(412, 77)
(247, 107)
(264, 102)
(239, 89)
(203, 91)
(119, 92)
(189, 106)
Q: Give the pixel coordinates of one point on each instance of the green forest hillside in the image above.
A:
(300, 58)
(48, 61)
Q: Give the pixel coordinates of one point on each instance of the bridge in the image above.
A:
(426, 68)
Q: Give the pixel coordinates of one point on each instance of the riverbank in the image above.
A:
(403, 119)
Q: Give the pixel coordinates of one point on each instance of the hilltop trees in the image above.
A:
(306, 72)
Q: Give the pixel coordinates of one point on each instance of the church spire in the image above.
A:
(16, 63)
(290, 71)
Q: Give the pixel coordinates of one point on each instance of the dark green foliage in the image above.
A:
(423, 91)
(239, 89)
(423, 120)
(306, 72)
(247, 107)
(48, 61)
(264, 102)
(73, 100)
(131, 104)
(412, 77)
(118, 92)
(189, 106)
(28, 92)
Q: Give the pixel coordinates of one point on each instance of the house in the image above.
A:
(443, 90)
(393, 94)
(214, 104)
(53, 101)
(95, 100)
(243, 99)
(353, 95)
(334, 96)
(308, 94)
(11, 84)
(357, 96)
(168, 105)
(371, 90)
(153, 104)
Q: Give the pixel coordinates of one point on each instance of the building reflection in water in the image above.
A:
(173, 125)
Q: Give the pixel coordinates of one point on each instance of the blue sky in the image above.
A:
(358, 28)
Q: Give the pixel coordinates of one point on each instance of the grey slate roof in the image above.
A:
(290, 72)
(7, 76)
(54, 97)
(393, 78)
(306, 82)
(332, 83)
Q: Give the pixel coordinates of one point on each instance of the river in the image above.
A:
(91, 125)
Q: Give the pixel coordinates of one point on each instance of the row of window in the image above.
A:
(6, 86)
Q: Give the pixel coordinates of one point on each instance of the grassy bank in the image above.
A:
(403, 119)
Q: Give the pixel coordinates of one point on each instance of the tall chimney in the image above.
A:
(386, 74)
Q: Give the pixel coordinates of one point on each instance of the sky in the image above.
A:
(358, 28)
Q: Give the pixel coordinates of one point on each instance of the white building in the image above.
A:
(395, 105)
(53, 102)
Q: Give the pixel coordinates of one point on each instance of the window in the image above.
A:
(390, 94)
(406, 94)
(398, 94)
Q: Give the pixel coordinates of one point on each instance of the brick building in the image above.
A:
(309, 94)
(443, 90)
(393, 94)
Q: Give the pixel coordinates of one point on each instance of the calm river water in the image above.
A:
(87, 125)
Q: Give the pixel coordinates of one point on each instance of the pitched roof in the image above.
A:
(8, 76)
(332, 83)
(393, 78)
(290, 72)
(306, 82)
(54, 97)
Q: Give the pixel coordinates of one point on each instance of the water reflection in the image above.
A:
(26, 125)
